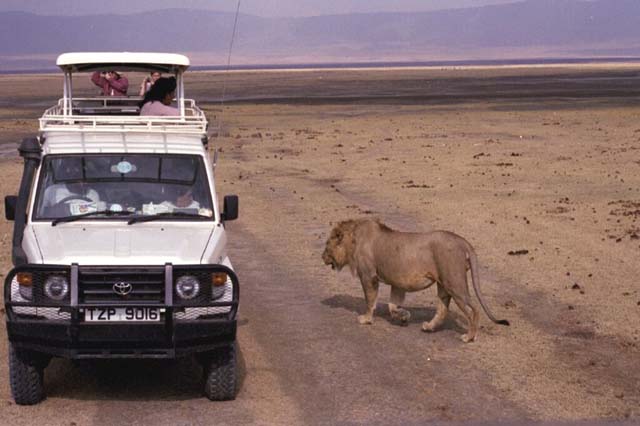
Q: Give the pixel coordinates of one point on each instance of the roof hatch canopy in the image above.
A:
(123, 61)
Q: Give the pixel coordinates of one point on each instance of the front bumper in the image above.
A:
(184, 328)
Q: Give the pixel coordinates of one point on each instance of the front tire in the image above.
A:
(26, 376)
(220, 375)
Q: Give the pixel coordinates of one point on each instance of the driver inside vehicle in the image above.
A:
(70, 194)
(60, 193)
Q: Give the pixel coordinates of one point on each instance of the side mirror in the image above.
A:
(10, 202)
(230, 207)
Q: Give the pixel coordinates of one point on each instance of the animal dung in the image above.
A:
(518, 252)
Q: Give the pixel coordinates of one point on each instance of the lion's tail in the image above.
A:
(475, 279)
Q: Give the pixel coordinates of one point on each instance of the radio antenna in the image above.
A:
(226, 74)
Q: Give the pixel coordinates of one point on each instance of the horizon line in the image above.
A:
(383, 64)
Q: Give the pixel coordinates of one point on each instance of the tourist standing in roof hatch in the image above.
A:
(148, 82)
(112, 83)
(158, 99)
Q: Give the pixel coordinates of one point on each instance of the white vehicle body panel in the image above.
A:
(122, 142)
(116, 243)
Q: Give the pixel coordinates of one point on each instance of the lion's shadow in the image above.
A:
(418, 314)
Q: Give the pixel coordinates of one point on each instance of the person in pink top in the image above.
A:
(157, 101)
(111, 83)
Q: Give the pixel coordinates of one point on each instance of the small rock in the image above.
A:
(576, 286)
(619, 395)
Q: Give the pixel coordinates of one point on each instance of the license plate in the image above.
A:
(121, 314)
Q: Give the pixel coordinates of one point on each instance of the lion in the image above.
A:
(408, 262)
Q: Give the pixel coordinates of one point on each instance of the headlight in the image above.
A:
(56, 287)
(187, 287)
(218, 284)
(25, 285)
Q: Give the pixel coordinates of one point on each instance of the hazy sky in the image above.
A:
(255, 7)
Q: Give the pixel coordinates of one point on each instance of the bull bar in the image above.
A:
(174, 335)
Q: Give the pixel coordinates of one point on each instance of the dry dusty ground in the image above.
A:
(538, 168)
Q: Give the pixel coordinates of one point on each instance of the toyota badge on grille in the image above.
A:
(122, 288)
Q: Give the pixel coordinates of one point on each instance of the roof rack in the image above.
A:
(118, 115)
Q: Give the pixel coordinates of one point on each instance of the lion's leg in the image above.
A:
(370, 287)
(444, 299)
(397, 298)
(472, 315)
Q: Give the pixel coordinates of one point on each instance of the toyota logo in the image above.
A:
(122, 288)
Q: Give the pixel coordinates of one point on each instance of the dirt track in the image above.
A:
(522, 165)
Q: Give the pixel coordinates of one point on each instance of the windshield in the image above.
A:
(140, 184)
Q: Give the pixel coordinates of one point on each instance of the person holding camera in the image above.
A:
(148, 81)
(111, 83)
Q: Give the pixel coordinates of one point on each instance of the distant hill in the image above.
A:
(534, 28)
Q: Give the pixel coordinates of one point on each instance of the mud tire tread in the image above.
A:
(220, 375)
(26, 377)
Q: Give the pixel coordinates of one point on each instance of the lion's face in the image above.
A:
(339, 244)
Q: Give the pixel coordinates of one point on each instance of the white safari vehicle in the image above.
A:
(119, 242)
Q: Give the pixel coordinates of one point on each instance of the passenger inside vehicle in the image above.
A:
(157, 101)
(148, 82)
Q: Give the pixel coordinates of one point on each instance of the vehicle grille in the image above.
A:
(96, 285)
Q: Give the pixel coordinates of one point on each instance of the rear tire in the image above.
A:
(26, 376)
(220, 375)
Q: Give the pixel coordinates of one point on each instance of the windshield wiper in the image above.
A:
(96, 213)
(159, 216)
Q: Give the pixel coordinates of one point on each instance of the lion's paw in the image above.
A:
(365, 319)
(466, 338)
(427, 327)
